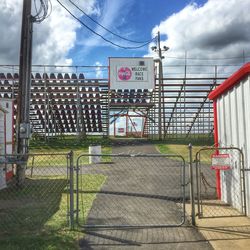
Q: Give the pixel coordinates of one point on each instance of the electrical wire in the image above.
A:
(92, 19)
(208, 59)
(105, 39)
(38, 12)
(43, 12)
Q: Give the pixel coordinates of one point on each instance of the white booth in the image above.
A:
(231, 102)
(6, 138)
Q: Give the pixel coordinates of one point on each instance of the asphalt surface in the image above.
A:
(140, 191)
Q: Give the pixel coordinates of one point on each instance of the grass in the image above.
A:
(178, 149)
(195, 139)
(87, 193)
(67, 144)
(63, 146)
(35, 217)
(50, 158)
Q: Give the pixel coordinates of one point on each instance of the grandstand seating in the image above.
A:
(56, 100)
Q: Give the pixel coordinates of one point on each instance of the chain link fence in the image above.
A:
(220, 182)
(42, 200)
(119, 190)
(127, 190)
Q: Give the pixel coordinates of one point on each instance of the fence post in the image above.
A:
(192, 202)
(71, 189)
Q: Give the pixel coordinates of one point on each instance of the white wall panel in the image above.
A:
(6, 135)
(233, 109)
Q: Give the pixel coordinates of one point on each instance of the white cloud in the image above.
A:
(218, 29)
(52, 39)
(98, 69)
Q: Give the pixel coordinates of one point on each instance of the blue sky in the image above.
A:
(208, 31)
(132, 19)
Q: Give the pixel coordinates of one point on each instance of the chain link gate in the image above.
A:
(43, 197)
(130, 190)
(220, 182)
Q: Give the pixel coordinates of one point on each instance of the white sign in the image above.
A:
(131, 73)
(220, 162)
(121, 130)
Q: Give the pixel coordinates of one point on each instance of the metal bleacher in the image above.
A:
(67, 103)
(62, 103)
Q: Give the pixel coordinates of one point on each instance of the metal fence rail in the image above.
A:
(220, 182)
(127, 190)
(42, 200)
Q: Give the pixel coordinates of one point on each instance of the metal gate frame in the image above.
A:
(37, 166)
(198, 178)
(75, 189)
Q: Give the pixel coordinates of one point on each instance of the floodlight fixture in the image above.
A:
(153, 48)
(165, 48)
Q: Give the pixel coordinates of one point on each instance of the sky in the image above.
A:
(203, 30)
(197, 32)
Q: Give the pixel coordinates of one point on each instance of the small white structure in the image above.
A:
(6, 138)
(231, 102)
(95, 154)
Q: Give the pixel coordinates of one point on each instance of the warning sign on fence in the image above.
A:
(121, 130)
(220, 162)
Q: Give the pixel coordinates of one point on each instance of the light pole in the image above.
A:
(160, 81)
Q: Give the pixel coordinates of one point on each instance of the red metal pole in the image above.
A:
(218, 184)
(216, 143)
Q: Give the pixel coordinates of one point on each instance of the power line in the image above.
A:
(44, 11)
(105, 39)
(208, 59)
(92, 19)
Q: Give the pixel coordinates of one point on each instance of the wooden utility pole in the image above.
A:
(23, 100)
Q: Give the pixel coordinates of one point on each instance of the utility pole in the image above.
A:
(160, 86)
(159, 50)
(23, 100)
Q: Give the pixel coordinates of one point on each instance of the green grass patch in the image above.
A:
(50, 158)
(67, 143)
(179, 149)
(195, 139)
(57, 146)
(90, 185)
(35, 217)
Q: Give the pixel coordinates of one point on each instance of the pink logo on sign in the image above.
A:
(124, 73)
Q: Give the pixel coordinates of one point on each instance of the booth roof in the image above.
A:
(233, 80)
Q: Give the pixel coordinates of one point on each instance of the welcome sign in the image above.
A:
(131, 73)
